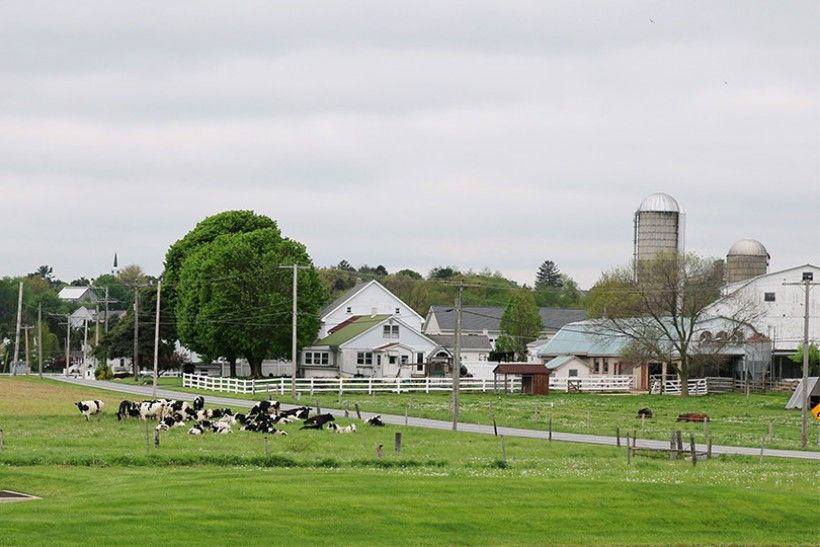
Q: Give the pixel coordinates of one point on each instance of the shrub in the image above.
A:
(103, 372)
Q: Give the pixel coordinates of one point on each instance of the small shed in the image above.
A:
(535, 377)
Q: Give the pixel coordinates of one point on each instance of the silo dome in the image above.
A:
(748, 247)
(661, 203)
(746, 259)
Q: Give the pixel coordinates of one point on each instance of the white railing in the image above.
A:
(697, 386)
(593, 383)
(396, 385)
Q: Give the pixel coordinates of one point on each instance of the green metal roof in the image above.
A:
(584, 338)
(559, 361)
(351, 330)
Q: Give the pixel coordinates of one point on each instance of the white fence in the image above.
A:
(697, 386)
(396, 385)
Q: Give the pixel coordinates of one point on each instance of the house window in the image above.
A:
(573, 372)
(768, 296)
(420, 357)
(317, 358)
(392, 359)
(398, 311)
(596, 366)
(364, 358)
(390, 331)
(420, 367)
(349, 309)
(405, 359)
(378, 359)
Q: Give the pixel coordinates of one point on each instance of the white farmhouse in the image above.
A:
(368, 298)
(369, 346)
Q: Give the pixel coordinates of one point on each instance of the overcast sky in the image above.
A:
(415, 134)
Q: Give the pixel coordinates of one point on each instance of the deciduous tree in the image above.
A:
(521, 321)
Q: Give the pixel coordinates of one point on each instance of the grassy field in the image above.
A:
(100, 484)
(737, 419)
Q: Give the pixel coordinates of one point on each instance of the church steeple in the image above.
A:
(115, 268)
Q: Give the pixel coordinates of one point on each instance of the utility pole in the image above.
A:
(294, 356)
(40, 338)
(85, 343)
(17, 331)
(156, 338)
(808, 277)
(457, 356)
(25, 337)
(136, 360)
(67, 342)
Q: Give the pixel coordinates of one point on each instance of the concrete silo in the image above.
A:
(659, 227)
(747, 258)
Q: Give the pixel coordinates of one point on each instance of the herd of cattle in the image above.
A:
(263, 417)
(696, 417)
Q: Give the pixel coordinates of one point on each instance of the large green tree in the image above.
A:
(227, 222)
(521, 322)
(548, 275)
(233, 297)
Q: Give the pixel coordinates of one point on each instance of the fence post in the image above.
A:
(495, 427)
(253, 386)
(347, 409)
(406, 411)
(281, 386)
(483, 385)
(762, 443)
(370, 386)
(692, 449)
(156, 438)
(398, 385)
(318, 408)
(709, 447)
(358, 412)
(426, 384)
(398, 442)
(341, 388)
(550, 434)
(311, 387)
(618, 437)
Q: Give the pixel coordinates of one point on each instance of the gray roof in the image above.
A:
(480, 318)
(468, 342)
(344, 297)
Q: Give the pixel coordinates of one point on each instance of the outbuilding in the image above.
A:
(535, 377)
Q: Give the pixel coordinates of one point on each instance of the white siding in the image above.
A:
(372, 299)
(409, 343)
(576, 364)
(782, 320)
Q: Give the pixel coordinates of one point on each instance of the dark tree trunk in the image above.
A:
(232, 363)
(256, 367)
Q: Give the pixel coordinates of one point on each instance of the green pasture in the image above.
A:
(100, 484)
(736, 419)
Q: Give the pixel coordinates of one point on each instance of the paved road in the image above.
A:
(447, 425)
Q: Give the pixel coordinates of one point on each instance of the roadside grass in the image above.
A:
(736, 419)
(101, 484)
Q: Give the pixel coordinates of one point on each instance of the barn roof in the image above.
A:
(520, 368)
(481, 318)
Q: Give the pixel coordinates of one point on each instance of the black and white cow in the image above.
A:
(128, 409)
(376, 421)
(88, 408)
(152, 409)
(199, 403)
(265, 407)
(341, 429)
(318, 421)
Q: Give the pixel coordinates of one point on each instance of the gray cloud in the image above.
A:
(478, 134)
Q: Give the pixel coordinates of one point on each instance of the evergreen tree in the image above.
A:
(548, 275)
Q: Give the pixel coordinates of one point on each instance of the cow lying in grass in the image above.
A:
(376, 421)
(88, 408)
(341, 429)
(697, 417)
(645, 413)
(318, 422)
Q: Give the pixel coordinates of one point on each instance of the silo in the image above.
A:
(747, 258)
(659, 227)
